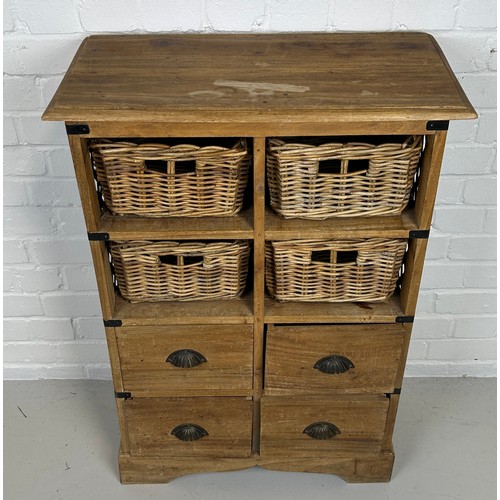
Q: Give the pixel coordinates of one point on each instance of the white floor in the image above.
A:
(61, 442)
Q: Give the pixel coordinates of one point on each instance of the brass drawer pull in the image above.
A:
(189, 432)
(186, 358)
(321, 430)
(334, 364)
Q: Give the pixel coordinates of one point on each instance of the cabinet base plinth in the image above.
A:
(355, 469)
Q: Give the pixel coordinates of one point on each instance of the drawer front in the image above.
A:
(185, 360)
(302, 426)
(189, 427)
(340, 358)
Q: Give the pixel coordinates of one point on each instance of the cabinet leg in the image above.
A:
(147, 470)
(361, 469)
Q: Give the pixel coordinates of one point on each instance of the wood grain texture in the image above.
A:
(325, 312)
(293, 351)
(339, 77)
(227, 350)
(258, 86)
(104, 278)
(259, 168)
(361, 421)
(429, 178)
(85, 180)
(389, 226)
(361, 469)
(227, 421)
(412, 276)
(260, 126)
(218, 312)
(126, 228)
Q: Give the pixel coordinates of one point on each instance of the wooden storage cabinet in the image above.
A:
(221, 385)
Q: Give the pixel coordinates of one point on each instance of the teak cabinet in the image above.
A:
(258, 400)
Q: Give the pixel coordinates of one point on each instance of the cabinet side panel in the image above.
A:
(429, 178)
(85, 180)
(104, 277)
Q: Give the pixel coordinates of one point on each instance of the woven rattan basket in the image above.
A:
(159, 180)
(364, 270)
(316, 180)
(154, 271)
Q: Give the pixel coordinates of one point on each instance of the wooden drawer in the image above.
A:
(189, 427)
(186, 360)
(307, 426)
(339, 358)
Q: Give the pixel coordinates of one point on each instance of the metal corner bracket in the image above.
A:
(123, 395)
(78, 129)
(112, 322)
(438, 125)
(405, 319)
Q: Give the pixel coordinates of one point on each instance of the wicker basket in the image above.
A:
(364, 270)
(154, 271)
(317, 181)
(159, 180)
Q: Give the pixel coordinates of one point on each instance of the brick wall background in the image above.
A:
(52, 327)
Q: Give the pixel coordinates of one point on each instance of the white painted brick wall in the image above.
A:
(52, 326)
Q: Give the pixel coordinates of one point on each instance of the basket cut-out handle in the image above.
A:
(180, 260)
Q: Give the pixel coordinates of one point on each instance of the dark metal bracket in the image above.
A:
(123, 395)
(98, 236)
(395, 391)
(419, 233)
(438, 125)
(78, 129)
(405, 319)
(112, 322)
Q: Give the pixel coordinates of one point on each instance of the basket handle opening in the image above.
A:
(334, 256)
(334, 166)
(177, 167)
(180, 260)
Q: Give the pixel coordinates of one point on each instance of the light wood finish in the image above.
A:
(375, 468)
(125, 228)
(339, 77)
(293, 351)
(259, 87)
(360, 469)
(404, 354)
(114, 358)
(390, 226)
(391, 420)
(206, 312)
(360, 420)
(415, 258)
(259, 146)
(227, 421)
(104, 277)
(326, 312)
(429, 177)
(244, 128)
(85, 180)
(227, 350)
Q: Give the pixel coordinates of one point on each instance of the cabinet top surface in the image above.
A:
(327, 77)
